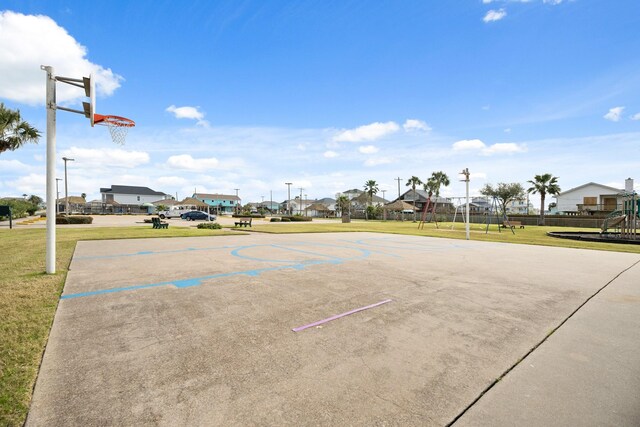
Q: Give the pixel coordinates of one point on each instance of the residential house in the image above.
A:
(443, 205)
(131, 195)
(589, 197)
(223, 203)
(521, 207)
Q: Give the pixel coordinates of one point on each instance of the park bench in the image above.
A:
(243, 222)
(512, 224)
(157, 223)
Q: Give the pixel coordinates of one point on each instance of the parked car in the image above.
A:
(198, 215)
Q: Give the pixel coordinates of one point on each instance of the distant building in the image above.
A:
(589, 197)
(131, 195)
(224, 203)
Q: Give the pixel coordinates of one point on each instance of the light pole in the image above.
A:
(288, 184)
(271, 202)
(300, 206)
(398, 179)
(237, 199)
(383, 191)
(466, 174)
(66, 186)
(57, 194)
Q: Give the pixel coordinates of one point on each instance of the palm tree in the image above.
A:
(413, 182)
(433, 184)
(544, 184)
(14, 132)
(371, 188)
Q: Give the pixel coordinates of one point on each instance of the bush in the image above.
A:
(298, 218)
(78, 219)
(247, 216)
(19, 208)
(210, 225)
(275, 219)
(285, 219)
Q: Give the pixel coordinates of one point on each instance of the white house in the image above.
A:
(130, 195)
(588, 197)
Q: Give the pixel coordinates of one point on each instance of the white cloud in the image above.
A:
(477, 175)
(413, 125)
(330, 154)
(368, 149)
(29, 41)
(494, 15)
(95, 157)
(375, 161)
(369, 132)
(553, 2)
(614, 114)
(185, 161)
(499, 148)
(12, 165)
(635, 116)
(504, 148)
(468, 144)
(507, 130)
(187, 112)
(28, 184)
(171, 181)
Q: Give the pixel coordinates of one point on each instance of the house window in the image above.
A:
(138, 198)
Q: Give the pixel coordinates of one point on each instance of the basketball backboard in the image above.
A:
(90, 92)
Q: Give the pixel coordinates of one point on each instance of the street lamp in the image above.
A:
(466, 174)
(288, 184)
(300, 207)
(237, 199)
(66, 187)
(57, 194)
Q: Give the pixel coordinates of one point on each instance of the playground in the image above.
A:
(341, 328)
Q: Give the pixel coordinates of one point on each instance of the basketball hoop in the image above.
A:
(118, 126)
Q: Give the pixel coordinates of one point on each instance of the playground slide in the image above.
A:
(612, 222)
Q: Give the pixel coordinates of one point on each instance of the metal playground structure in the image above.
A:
(624, 220)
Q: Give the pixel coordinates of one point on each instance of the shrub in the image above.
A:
(210, 225)
(247, 216)
(285, 219)
(77, 219)
(275, 219)
(297, 218)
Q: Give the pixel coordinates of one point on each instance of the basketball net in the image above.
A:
(118, 127)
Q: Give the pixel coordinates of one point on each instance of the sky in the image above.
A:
(326, 94)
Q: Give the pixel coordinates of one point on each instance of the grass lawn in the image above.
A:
(29, 297)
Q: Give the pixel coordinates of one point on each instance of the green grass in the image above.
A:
(28, 297)
(532, 235)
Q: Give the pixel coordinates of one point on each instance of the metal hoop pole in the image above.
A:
(50, 257)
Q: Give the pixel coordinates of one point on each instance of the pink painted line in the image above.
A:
(337, 316)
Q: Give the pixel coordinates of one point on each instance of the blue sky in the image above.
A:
(328, 94)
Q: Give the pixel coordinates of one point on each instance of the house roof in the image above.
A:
(166, 202)
(318, 207)
(215, 196)
(326, 201)
(190, 201)
(73, 199)
(605, 187)
(128, 189)
(398, 205)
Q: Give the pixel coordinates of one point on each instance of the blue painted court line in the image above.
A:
(173, 251)
(197, 281)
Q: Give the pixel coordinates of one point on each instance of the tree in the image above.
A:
(504, 193)
(437, 180)
(14, 132)
(342, 203)
(35, 200)
(413, 182)
(544, 184)
(84, 196)
(371, 188)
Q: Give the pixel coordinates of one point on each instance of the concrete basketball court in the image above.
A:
(198, 331)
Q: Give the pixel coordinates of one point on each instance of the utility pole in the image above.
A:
(237, 199)
(300, 206)
(398, 179)
(66, 186)
(57, 194)
(383, 191)
(288, 184)
(466, 174)
(271, 202)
